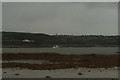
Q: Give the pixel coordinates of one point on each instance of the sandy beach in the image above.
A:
(61, 73)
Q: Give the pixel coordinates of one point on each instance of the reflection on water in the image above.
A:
(26, 61)
(30, 61)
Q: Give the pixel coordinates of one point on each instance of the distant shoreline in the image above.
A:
(20, 39)
(59, 47)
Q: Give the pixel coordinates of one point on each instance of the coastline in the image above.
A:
(7, 46)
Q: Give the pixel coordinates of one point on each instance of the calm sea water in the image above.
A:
(80, 50)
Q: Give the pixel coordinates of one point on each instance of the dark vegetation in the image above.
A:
(15, 39)
(60, 61)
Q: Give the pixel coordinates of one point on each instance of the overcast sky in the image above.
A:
(60, 0)
(61, 18)
(0, 16)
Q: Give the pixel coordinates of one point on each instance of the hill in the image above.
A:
(20, 39)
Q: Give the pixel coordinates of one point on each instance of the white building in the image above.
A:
(27, 40)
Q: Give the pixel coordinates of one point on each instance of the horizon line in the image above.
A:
(61, 34)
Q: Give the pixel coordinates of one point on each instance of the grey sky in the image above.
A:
(61, 18)
(60, 0)
(0, 16)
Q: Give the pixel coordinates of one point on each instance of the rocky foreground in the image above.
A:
(61, 61)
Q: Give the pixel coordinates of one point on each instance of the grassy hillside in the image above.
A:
(19, 39)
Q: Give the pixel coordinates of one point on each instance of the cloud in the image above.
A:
(61, 18)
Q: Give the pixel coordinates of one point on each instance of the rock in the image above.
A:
(47, 77)
(16, 74)
(80, 73)
(4, 72)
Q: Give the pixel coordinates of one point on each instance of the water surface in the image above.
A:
(78, 50)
